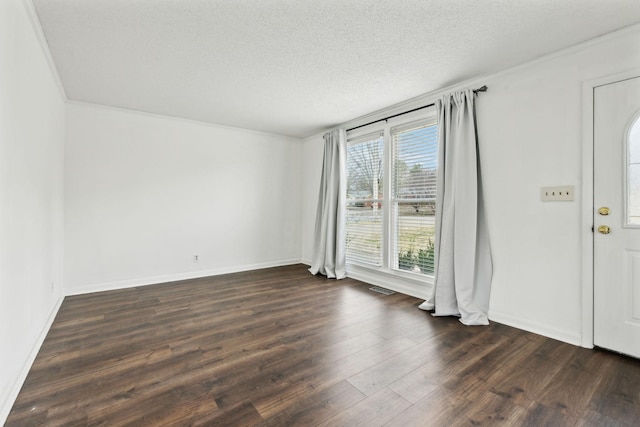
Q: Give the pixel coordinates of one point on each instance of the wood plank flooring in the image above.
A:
(280, 347)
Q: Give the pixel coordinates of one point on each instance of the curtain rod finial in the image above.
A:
(482, 89)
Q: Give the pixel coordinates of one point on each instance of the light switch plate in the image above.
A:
(563, 193)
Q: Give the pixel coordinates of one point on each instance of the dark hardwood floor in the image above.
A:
(279, 347)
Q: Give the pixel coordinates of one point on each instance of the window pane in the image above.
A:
(415, 161)
(634, 143)
(415, 229)
(364, 232)
(633, 175)
(364, 194)
(364, 169)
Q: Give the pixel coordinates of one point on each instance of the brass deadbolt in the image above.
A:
(603, 211)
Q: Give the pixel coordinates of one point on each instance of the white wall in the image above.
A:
(31, 197)
(530, 130)
(144, 193)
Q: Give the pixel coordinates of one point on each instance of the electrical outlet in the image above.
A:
(564, 193)
(196, 258)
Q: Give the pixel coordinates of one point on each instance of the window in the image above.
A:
(633, 174)
(391, 192)
(415, 160)
(364, 200)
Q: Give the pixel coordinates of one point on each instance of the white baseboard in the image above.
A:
(6, 406)
(144, 281)
(536, 327)
(388, 281)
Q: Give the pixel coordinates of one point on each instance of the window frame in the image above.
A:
(426, 118)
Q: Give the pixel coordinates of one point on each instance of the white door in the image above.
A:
(617, 216)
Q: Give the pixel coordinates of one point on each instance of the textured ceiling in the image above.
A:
(296, 67)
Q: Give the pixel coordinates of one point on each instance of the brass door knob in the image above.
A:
(603, 211)
(603, 229)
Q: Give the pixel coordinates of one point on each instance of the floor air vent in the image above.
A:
(382, 290)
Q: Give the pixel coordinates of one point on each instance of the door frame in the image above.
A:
(587, 220)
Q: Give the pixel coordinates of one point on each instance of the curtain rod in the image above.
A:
(481, 89)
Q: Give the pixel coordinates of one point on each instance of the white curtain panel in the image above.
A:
(462, 252)
(329, 256)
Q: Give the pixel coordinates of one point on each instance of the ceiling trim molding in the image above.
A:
(44, 45)
(181, 119)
